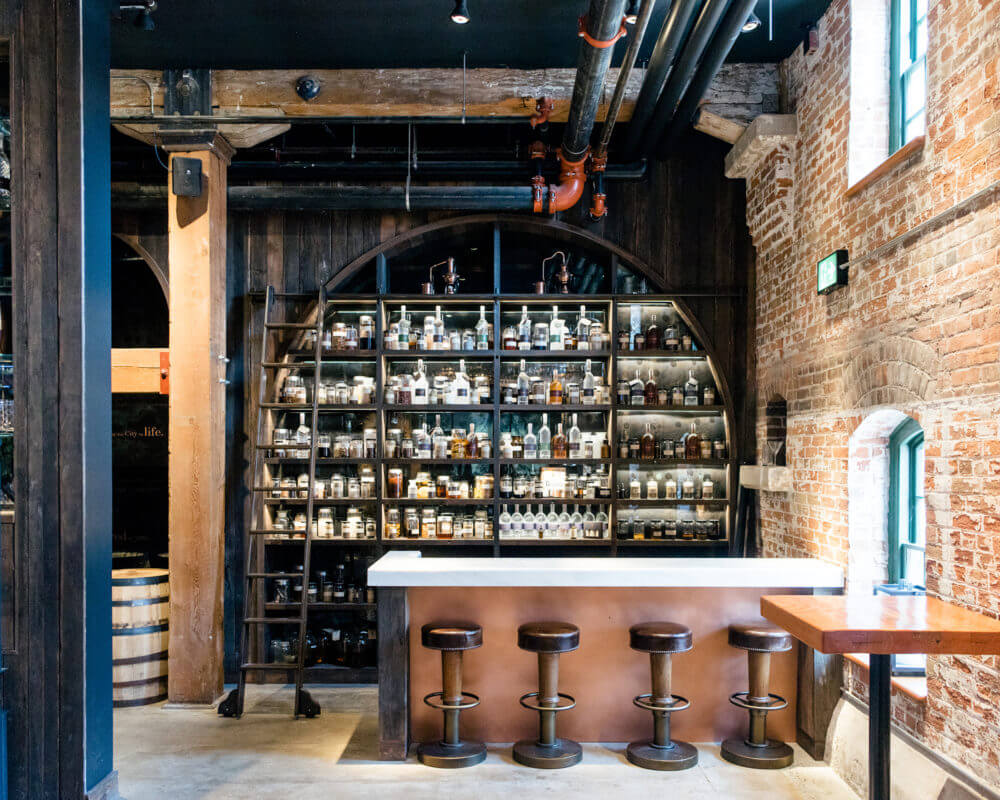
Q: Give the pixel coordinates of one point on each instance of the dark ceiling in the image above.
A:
(333, 34)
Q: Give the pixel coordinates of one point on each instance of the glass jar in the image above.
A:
(705, 448)
(323, 448)
(353, 489)
(289, 488)
(454, 489)
(302, 484)
(446, 526)
(356, 447)
(394, 485)
(428, 524)
(480, 524)
(540, 336)
(366, 332)
(324, 523)
(367, 482)
(341, 445)
(336, 486)
(299, 522)
(441, 490)
(320, 487)
(510, 338)
(338, 335)
(393, 525)
(411, 521)
(370, 441)
(281, 522)
(351, 338)
(573, 394)
(343, 393)
(354, 527)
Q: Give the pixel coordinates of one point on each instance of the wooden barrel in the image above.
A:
(140, 635)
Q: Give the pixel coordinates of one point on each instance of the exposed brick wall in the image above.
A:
(917, 331)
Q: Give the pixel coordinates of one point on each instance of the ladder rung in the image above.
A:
(296, 295)
(267, 532)
(272, 620)
(288, 364)
(275, 575)
(290, 326)
(270, 667)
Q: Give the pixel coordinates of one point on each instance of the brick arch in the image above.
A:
(777, 381)
(892, 371)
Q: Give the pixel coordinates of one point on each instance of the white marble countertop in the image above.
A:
(405, 568)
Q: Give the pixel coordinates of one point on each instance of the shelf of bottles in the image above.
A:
(498, 421)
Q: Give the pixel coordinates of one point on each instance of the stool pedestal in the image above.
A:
(756, 750)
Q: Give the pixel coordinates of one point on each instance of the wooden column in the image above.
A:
(197, 242)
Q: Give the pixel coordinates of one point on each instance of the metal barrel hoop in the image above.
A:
(533, 707)
(677, 703)
(742, 700)
(452, 706)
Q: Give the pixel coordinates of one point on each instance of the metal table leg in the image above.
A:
(879, 712)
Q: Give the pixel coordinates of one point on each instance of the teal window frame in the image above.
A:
(907, 61)
(905, 493)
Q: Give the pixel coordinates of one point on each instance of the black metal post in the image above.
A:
(879, 711)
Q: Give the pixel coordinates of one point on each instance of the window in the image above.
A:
(907, 71)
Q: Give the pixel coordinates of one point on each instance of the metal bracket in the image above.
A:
(186, 177)
(187, 92)
(165, 372)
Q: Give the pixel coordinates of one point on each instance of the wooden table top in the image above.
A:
(882, 624)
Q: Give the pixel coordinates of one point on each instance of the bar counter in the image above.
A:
(603, 597)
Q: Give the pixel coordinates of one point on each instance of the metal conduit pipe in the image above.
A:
(723, 41)
(680, 78)
(313, 170)
(675, 28)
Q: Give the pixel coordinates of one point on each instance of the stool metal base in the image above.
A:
(563, 753)
(773, 755)
(451, 756)
(680, 755)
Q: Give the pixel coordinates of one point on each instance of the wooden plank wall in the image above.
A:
(686, 220)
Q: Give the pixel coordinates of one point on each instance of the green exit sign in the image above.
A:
(831, 272)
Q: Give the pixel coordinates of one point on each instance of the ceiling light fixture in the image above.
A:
(632, 14)
(752, 23)
(460, 14)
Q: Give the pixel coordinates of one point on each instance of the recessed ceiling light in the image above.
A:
(752, 23)
(460, 14)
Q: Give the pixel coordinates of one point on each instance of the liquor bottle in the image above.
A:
(506, 485)
(587, 394)
(472, 448)
(574, 439)
(670, 340)
(601, 524)
(439, 340)
(692, 443)
(517, 522)
(652, 488)
(420, 385)
(545, 438)
(623, 442)
(649, 391)
(504, 522)
(458, 394)
(482, 331)
(528, 523)
(707, 488)
(303, 433)
(339, 584)
(623, 341)
(653, 335)
(437, 430)
(647, 444)
(530, 444)
(622, 392)
(637, 390)
(403, 339)
(555, 390)
(556, 327)
(583, 330)
(524, 330)
(566, 529)
(691, 390)
(523, 385)
(552, 524)
(559, 443)
(708, 395)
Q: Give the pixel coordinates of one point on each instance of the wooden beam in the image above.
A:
(718, 127)
(197, 231)
(374, 93)
(135, 370)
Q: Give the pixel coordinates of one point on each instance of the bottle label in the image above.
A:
(588, 396)
(555, 396)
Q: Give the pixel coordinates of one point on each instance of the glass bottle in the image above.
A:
(510, 338)
(517, 523)
(634, 487)
(427, 342)
(437, 431)
(708, 395)
(504, 522)
(653, 335)
(565, 528)
(555, 390)
(459, 444)
(623, 442)
(303, 433)
(559, 443)
(524, 330)
(649, 391)
(472, 445)
(583, 330)
(601, 523)
(707, 488)
(622, 392)
(506, 485)
(440, 341)
(647, 444)
(652, 488)
(523, 385)
(692, 443)
(671, 341)
(420, 385)
(556, 330)
(482, 331)
(540, 336)
(670, 488)
(637, 390)
(623, 341)
(587, 395)
(545, 438)
(530, 444)
(403, 339)
(460, 387)
(691, 390)
(573, 439)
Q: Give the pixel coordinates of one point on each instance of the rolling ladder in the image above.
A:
(278, 334)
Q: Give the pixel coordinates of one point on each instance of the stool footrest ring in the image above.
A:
(775, 702)
(571, 703)
(677, 703)
(440, 706)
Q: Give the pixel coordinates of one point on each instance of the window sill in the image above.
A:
(904, 153)
(914, 687)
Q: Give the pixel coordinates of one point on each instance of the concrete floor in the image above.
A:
(193, 754)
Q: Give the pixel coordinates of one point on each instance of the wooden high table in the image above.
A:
(881, 626)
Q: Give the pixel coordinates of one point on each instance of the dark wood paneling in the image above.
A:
(393, 673)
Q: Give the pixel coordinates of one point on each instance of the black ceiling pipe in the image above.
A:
(318, 170)
(729, 31)
(675, 27)
(681, 75)
(603, 21)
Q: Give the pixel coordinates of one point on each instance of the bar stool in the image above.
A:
(760, 640)
(451, 639)
(661, 640)
(548, 639)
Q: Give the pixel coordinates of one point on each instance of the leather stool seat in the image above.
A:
(660, 637)
(451, 636)
(759, 637)
(548, 637)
